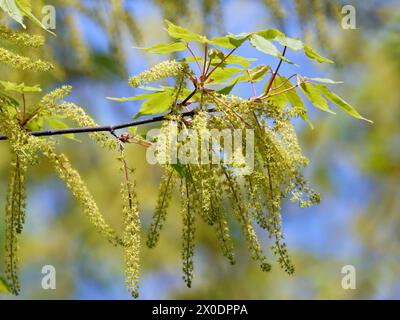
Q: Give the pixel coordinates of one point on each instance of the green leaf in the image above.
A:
(227, 90)
(21, 88)
(340, 102)
(25, 7)
(222, 74)
(292, 43)
(323, 80)
(122, 99)
(241, 61)
(157, 102)
(256, 74)
(164, 48)
(266, 46)
(296, 102)
(179, 32)
(315, 97)
(315, 56)
(227, 42)
(270, 34)
(279, 100)
(4, 288)
(11, 8)
(216, 53)
(182, 170)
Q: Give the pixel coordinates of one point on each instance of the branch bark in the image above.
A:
(46, 133)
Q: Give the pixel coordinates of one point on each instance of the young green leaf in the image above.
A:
(315, 97)
(323, 80)
(157, 102)
(292, 43)
(179, 32)
(25, 8)
(227, 42)
(164, 48)
(270, 34)
(266, 46)
(227, 90)
(222, 74)
(295, 101)
(21, 88)
(340, 102)
(312, 54)
(11, 8)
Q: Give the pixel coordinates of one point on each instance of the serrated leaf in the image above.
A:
(266, 46)
(21, 88)
(312, 54)
(340, 102)
(323, 80)
(179, 32)
(314, 95)
(164, 48)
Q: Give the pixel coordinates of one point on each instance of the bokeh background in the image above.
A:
(355, 165)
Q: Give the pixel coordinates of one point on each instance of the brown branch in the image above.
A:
(46, 133)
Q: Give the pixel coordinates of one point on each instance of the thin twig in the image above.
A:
(271, 80)
(195, 58)
(219, 64)
(46, 133)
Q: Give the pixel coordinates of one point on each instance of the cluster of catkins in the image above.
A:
(217, 193)
(254, 197)
(26, 150)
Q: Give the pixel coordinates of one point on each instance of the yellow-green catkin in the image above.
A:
(77, 114)
(20, 38)
(219, 214)
(168, 182)
(170, 68)
(131, 237)
(202, 179)
(14, 220)
(244, 218)
(78, 188)
(188, 233)
(23, 63)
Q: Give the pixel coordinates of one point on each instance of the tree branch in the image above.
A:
(46, 133)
